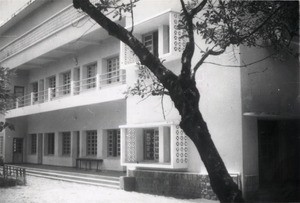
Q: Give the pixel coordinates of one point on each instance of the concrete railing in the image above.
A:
(97, 82)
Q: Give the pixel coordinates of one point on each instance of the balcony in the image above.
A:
(170, 41)
(100, 88)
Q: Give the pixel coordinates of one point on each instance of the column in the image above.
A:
(161, 144)
(97, 81)
(123, 145)
(99, 143)
(82, 144)
(82, 75)
(45, 144)
(31, 98)
(57, 144)
(163, 40)
(74, 146)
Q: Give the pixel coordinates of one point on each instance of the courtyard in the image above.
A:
(46, 190)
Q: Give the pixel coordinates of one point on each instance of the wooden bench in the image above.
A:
(89, 161)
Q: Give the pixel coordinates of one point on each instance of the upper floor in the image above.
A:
(64, 59)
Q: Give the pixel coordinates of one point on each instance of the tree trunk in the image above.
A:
(186, 98)
(221, 182)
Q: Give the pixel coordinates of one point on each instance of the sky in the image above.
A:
(8, 7)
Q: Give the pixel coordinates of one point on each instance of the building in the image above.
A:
(71, 78)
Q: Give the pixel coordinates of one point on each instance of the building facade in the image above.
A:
(70, 81)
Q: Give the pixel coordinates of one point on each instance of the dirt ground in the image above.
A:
(45, 190)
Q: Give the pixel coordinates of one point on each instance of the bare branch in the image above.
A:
(184, 8)
(188, 52)
(198, 8)
(132, 18)
(241, 66)
(204, 56)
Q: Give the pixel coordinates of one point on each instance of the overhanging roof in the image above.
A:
(272, 116)
(30, 6)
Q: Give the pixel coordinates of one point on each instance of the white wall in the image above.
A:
(220, 104)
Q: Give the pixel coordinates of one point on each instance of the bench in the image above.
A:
(89, 161)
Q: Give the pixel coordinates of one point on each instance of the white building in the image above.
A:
(71, 78)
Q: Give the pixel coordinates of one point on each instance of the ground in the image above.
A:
(46, 190)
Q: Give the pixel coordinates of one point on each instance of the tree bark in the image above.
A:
(185, 95)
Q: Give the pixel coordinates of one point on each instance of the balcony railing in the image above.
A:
(73, 88)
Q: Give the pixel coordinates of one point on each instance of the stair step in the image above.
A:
(72, 173)
(75, 181)
(80, 178)
(76, 176)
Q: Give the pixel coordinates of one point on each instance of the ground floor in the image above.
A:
(61, 137)
(158, 156)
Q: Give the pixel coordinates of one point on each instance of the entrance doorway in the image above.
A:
(279, 159)
(17, 150)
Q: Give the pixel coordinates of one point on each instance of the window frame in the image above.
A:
(91, 73)
(113, 143)
(91, 143)
(113, 69)
(33, 143)
(154, 42)
(66, 143)
(66, 82)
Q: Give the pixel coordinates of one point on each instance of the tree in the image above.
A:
(221, 24)
(6, 96)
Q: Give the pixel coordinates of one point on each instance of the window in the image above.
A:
(151, 42)
(66, 143)
(51, 139)
(113, 71)
(19, 94)
(52, 84)
(91, 141)
(66, 82)
(33, 143)
(113, 141)
(151, 144)
(1, 144)
(91, 73)
(17, 145)
(34, 87)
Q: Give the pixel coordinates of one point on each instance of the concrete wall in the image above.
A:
(270, 86)
(176, 184)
